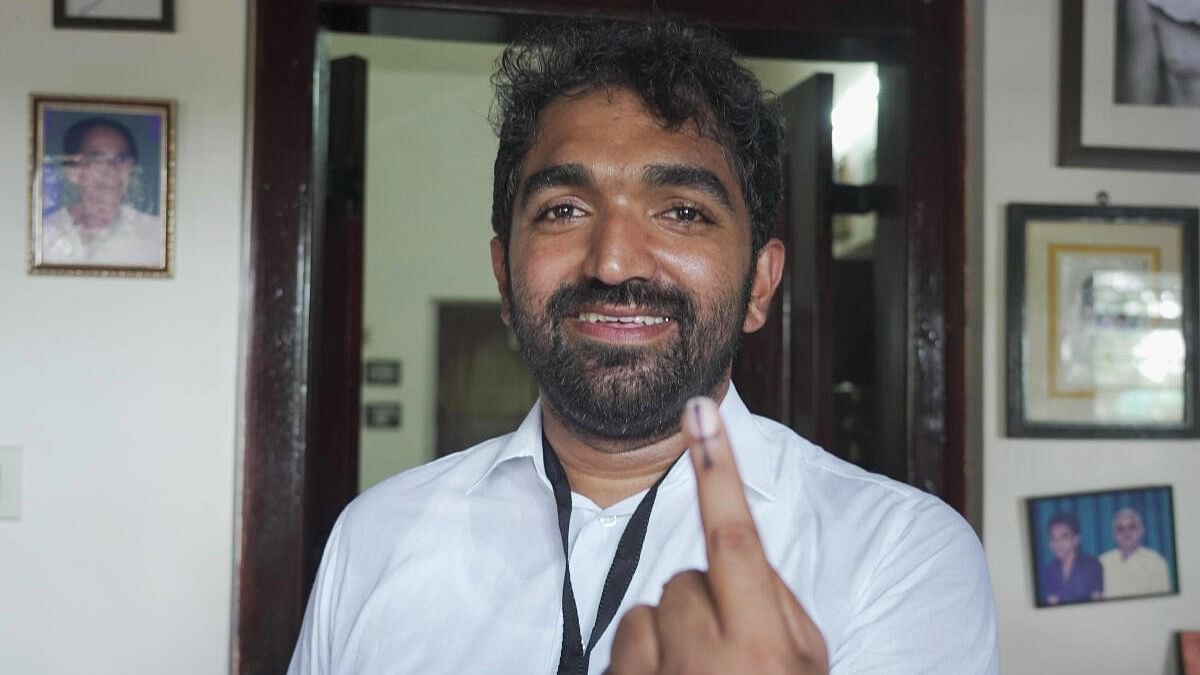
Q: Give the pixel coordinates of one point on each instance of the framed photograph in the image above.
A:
(156, 15)
(1128, 95)
(1189, 652)
(382, 371)
(102, 186)
(1109, 545)
(1101, 321)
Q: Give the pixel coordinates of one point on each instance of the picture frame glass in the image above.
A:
(137, 10)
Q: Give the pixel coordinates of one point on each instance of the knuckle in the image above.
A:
(734, 536)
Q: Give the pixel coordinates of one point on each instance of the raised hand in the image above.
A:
(738, 617)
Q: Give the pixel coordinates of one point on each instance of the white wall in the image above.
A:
(122, 391)
(1020, 52)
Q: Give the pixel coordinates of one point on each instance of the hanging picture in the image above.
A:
(157, 15)
(1129, 96)
(1110, 545)
(102, 186)
(1101, 321)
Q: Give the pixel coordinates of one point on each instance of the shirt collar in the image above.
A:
(751, 448)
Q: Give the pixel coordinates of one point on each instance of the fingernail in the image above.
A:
(702, 417)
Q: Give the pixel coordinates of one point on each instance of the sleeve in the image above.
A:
(313, 654)
(927, 605)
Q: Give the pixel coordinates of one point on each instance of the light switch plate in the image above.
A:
(10, 483)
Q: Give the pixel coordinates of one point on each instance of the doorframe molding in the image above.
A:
(270, 585)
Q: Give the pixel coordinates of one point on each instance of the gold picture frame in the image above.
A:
(102, 186)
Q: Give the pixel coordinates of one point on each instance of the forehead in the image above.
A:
(104, 138)
(611, 131)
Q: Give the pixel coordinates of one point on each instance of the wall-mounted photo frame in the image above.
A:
(1105, 545)
(1118, 108)
(1101, 313)
(102, 186)
(154, 15)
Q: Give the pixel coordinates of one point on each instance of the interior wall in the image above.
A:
(1020, 66)
(121, 392)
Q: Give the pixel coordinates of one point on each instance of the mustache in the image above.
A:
(670, 301)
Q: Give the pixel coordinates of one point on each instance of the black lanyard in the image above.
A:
(574, 659)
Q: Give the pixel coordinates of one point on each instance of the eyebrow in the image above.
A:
(688, 176)
(558, 175)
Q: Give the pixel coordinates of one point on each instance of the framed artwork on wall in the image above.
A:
(102, 186)
(1107, 545)
(1128, 95)
(1101, 313)
(156, 15)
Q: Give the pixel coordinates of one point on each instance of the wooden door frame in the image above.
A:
(270, 583)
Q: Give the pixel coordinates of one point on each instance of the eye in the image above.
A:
(686, 213)
(564, 211)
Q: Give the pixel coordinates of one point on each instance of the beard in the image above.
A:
(633, 394)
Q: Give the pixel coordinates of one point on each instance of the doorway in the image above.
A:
(918, 47)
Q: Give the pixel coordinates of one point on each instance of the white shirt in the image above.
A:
(136, 239)
(1144, 572)
(457, 566)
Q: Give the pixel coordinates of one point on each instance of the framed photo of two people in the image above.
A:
(102, 186)
(1109, 545)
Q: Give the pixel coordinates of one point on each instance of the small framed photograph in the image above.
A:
(1108, 545)
(1189, 652)
(157, 15)
(1127, 99)
(381, 415)
(1101, 321)
(102, 187)
(382, 372)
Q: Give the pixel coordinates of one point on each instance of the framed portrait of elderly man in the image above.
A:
(102, 186)
(1109, 545)
(1101, 321)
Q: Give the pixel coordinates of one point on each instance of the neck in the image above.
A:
(607, 471)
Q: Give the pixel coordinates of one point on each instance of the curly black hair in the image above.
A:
(1070, 520)
(684, 73)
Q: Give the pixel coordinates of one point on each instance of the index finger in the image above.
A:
(740, 577)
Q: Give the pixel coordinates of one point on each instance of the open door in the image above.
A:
(784, 371)
(331, 476)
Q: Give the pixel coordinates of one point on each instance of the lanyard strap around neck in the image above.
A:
(574, 658)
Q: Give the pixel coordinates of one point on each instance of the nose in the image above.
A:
(620, 248)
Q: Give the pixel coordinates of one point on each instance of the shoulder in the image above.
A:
(412, 492)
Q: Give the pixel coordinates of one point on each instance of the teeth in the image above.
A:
(593, 317)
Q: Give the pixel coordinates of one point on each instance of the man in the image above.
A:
(100, 227)
(636, 183)
(1130, 568)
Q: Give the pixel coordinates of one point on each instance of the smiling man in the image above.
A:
(636, 183)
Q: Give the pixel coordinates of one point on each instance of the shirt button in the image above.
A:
(608, 521)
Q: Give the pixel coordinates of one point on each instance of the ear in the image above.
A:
(768, 270)
(500, 270)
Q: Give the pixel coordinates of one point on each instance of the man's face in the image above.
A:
(103, 171)
(629, 274)
(1063, 541)
(1128, 531)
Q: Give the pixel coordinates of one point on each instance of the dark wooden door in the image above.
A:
(331, 476)
(784, 370)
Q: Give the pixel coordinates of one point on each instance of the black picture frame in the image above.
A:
(1072, 150)
(1037, 405)
(166, 23)
(1095, 516)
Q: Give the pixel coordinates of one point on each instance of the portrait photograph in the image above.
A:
(1158, 53)
(1097, 546)
(102, 187)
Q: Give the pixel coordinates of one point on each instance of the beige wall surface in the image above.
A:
(122, 392)
(1019, 106)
